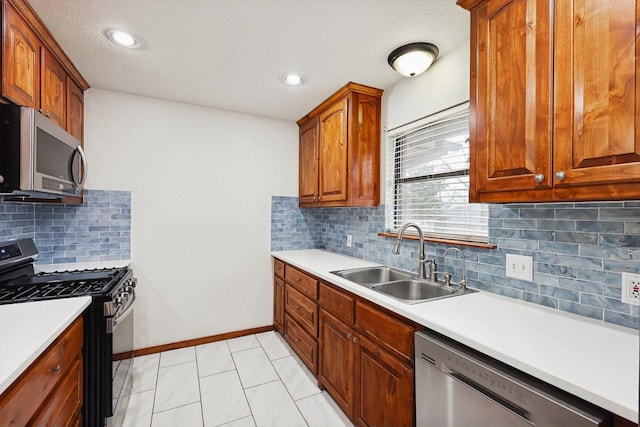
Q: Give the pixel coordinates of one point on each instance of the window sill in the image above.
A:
(441, 240)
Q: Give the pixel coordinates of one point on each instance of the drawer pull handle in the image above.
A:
(57, 369)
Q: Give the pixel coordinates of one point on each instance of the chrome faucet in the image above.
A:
(422, 261)
(463, 281)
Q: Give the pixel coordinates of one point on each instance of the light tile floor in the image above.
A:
(249, 381)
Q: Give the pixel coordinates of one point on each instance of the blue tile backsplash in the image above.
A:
(97, 230)
(579, 250)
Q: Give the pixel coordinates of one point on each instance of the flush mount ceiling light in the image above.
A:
(292, 79)
(122, 38)
(413, 59)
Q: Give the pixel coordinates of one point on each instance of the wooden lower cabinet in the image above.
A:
(49, 392)
(384, 387)
(370, 384)
(337, 355)
(278, 304)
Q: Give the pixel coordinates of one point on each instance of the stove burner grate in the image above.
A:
(45, 286)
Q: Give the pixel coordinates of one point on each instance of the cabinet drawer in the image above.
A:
(388, 330)
(302, 309)
(278, 268)
(337, 302)
(64, 408)
(302, 343)
(302, 282)
(22, 400)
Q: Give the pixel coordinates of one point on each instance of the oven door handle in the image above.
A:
(112, 322)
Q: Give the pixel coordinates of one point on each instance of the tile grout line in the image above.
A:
(241, 386)
(195, 351)
(282, 382)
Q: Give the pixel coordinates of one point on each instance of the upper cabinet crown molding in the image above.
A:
(339, 151)
(554, 100)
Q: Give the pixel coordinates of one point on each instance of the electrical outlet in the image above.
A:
(631, 288)
(520, 267)
(349, 240)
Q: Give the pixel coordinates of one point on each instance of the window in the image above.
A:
(428, 178)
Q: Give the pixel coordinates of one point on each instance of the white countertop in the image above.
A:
(595, 361)
(27, 329)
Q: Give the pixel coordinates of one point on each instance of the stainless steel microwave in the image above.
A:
(37, 157)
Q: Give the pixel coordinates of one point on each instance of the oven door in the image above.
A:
(120, 330)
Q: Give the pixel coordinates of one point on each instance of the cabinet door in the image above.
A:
(596, 92)
(337, 361)
(385, 392)
(308, 164)
(75, 110)
(20, 60)
(333, 152)
(364, 150)
(53, 81)
(278, 304)
(511, 109)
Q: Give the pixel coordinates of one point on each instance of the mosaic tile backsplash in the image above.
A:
(97, 230)
(579, 250)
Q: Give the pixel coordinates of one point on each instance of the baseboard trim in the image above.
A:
(192, 342)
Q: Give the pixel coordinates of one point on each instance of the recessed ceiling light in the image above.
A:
(292, 80)
(122, 38)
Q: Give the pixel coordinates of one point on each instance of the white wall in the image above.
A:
(443, 85)
(201, 182)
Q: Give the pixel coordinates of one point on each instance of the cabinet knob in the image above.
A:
(561, 175)
(57, 369)
(539, 177)
(349, 336)
(354, 339)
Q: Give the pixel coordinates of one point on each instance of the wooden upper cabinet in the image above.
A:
(596, 92)
(346, 131)
(75, 109)
(308, 164)
(53, 89)
(35, 70)
(20, 60)
(364, 153)
(333, 152)
(512, 126)
(554, 100)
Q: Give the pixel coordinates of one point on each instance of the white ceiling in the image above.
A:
(231, 54)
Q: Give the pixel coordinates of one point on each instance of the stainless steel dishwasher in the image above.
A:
(459, 387)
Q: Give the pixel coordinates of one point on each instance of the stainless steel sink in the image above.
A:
(415, 291)
(400, 284)
(374, 275)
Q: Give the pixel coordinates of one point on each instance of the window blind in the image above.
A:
(428, 178)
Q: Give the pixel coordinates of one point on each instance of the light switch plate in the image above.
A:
(520, 267)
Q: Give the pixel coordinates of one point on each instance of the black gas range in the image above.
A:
(108, 321)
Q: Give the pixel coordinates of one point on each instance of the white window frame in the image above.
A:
(470, 223)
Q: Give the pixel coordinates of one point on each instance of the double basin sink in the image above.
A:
(399, 284)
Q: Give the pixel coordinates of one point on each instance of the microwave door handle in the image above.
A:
(85, 166)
